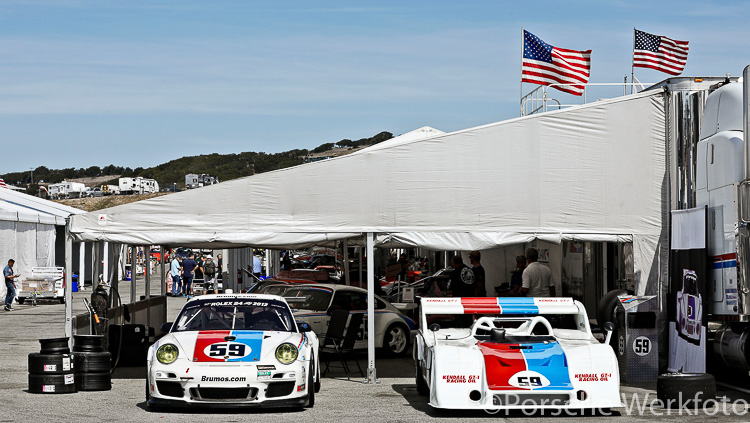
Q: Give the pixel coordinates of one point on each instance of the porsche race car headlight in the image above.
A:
(167, 353)
(286, 353)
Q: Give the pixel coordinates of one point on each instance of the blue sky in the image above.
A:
(135, 83)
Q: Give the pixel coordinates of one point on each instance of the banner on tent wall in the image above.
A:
(687, 292)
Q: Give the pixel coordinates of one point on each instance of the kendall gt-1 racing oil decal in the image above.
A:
(218, 345)
(536, 366)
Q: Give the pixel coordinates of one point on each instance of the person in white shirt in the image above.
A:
(537, 278)
(175, 268)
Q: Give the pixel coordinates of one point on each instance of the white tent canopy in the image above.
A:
(592, 172)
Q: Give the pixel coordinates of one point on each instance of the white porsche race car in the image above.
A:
(234, 350)
(522, 353)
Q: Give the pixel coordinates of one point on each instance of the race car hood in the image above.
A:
(533, 365)
(231, 345)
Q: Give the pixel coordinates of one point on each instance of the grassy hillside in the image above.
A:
(223, 166)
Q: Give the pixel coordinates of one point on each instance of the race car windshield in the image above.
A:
(315, 299)
(266, 315)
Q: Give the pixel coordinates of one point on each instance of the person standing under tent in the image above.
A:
(188, 273)
(10, 284)
(209, 275)
(200, 259)
(479, 276)
(286, 262)
(462, 282)
(257, 266)
(174, 270)
(516, 277)
(537, 278)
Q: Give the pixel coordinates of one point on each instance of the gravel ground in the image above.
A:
(394, 399)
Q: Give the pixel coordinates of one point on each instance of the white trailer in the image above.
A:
(138, 185)
(193, 180)
(110, 189)
(67, 190)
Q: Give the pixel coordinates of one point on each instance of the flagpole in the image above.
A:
(632, 63)
(521, 80)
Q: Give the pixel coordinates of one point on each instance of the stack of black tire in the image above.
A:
(51, 371)
(92, 363)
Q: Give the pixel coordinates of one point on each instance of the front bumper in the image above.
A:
(528, 400)
(229, 385)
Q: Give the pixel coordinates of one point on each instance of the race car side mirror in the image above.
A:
(434, 327)
(609, 327)
(165, 327)
(304, 327)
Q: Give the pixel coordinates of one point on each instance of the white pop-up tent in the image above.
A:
(594, 172)
(27, 230)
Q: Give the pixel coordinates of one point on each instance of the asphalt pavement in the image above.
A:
(393, 399)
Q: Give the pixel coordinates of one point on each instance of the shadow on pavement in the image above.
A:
(420, 403)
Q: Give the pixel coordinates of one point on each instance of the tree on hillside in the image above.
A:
(323, 147)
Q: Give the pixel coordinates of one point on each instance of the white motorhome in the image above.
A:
(138, 185)
(66, 190)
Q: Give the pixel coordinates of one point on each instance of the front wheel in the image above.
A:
(422, 388)
(310, 389)
(396, 339)
(317, 378)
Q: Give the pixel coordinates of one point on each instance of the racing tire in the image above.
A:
(606, 306)
(54, 346)
(94, 381)
(92, 362)
(52, 384)
(50, 364)
(88, 343)
(20, 300)
(674, 389)
(422, 388)
(317, 372)
(396, 339)
(310, 403)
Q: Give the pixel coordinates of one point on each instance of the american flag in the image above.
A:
(2, 183)
(659, 52)
(545, 64)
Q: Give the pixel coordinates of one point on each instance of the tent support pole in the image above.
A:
(371, 374)
(133, 271)
(105, 260)
(68, 284)
(345, 257)
(95, 247)
(163, 273)
(359, 279)
(81, 265)
(147, 267)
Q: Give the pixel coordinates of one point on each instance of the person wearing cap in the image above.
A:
(480, 290)
(209, 275)
(10, 285)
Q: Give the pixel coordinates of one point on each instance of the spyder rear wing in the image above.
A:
(500, 305)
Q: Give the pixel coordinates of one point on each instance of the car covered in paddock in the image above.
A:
(234, 350)
(393, 329)
(512, 353)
